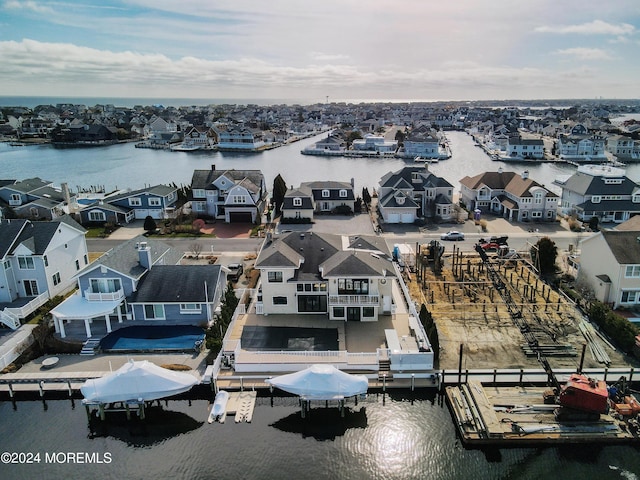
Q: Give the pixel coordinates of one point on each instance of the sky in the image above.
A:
(335, 50)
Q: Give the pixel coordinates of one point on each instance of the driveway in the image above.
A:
(359, 224)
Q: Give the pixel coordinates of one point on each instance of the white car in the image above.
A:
(452, 235)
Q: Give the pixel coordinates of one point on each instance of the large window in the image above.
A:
(135, 202)
(97, 216)
(348, 286)
(312, 303)
(154, 202)
(338, 312)
(311, 287)
(630, 296)
(56, 278)
(154, 312)
(274, 277)
(297, 202)
(26, 263)
(105, 285)
(632, 271)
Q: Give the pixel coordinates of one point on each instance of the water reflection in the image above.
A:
(159, 425)
(323, 423)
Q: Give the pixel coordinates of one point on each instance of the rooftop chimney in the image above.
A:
(525, 174)
(213, 166)
(144, 255)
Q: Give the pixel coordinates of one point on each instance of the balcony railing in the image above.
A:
(354, 299)
(103, 297)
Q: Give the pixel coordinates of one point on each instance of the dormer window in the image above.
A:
(596, 199)
(343, 194)
(325, 193)
(400, 200)
(297, 202)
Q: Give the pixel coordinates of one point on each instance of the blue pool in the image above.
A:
(152, 339)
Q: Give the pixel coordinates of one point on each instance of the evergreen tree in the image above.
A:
(149, 224)
(544, 254)
(279, 190)
(366, 197)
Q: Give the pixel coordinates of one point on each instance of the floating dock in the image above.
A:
(240, 405)
(515, 416)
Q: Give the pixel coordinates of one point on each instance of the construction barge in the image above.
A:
(517, 416)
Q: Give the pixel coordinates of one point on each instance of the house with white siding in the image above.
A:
(515, 197)
(318, 197)
(39, 261)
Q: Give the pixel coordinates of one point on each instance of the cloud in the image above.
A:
(585, 53)
(28, 5)
(328, 57)
(597, 27)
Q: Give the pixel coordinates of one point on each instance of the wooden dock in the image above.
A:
(241, 405)
(515, 416)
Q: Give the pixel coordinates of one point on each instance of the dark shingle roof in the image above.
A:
(624, 246)
(9, 231)
(36, 236)
(160, 190)
(178, 284)
(404, 176)
(250, 179)
(585, 184)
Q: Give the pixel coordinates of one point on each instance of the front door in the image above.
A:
(31, 288)
(353, 314)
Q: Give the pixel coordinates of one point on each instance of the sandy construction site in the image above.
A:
(504, 315)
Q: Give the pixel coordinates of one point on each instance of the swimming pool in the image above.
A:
(264, 338)
(170, 338)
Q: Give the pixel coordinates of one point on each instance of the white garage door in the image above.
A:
(153, 212)
(407, 218)
(393, 218)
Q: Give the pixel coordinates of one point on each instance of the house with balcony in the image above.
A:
(610, 266)
(423, 144)
(412, 193)
(39, 261)
(623, 147)
(376, 144)
(599, 191)
(106, 286)
(580, 145)
(33, 198)
(524, 148)
(512, 196)
(333, 299)
(241, 139)
(229, 195)
(318, 197)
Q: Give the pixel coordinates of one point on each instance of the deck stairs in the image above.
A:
(10, 319)
(89, 347)
(384, 370)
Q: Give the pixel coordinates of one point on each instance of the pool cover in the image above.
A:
(256, 337)
(152, 338)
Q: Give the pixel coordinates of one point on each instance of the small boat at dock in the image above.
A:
(219, 408)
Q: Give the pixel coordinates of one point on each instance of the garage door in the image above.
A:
(407, 218)
(393, 218)
(151, 212)
(240, 217)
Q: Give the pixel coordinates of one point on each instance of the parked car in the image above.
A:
(235, 271)
(452, 235)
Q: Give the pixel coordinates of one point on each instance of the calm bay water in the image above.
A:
(404, 436)
(400, 436)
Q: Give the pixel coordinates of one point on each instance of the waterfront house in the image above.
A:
(373, 143)
(519, 147)
(197, 138)
(157, 201)
(242, 139)
(412, 193)
(514, 197)
(107, 285)
(623, 147)
(421, 144)
(33, 198)
(39, 261)
(324, 273)
(326, 298)
(599, 191)
(610, 267)
(580, 145)
(179, 294)
(318, 197)
(229, 195)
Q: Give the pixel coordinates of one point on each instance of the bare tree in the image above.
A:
(196, 248)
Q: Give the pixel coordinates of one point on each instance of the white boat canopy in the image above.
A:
(137, 381)
(321, 382)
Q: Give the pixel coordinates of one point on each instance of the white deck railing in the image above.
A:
(354, 299)
(30, 307)
(103, 297)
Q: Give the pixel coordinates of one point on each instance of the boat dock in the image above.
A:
(240, 405)
(515, 416)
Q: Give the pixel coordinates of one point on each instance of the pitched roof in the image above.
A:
(36, 236)
(28, 185)
(585, 184)
(160, 190)
(404, 178)
(356, 263)
(624, 246)
(125, 258)
(9, 232)
(250, 179)
(178, 284)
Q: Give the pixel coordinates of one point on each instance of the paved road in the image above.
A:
(186, 244)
